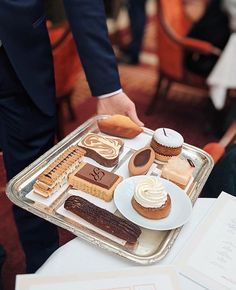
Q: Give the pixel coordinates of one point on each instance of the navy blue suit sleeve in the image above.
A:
(88, 23)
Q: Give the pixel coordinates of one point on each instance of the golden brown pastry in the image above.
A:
(153, 213)
(120, 126)
(150, 199)
(95, 180)
(55, 175)
(166, 143)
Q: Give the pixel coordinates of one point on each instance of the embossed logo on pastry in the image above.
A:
(97, 174)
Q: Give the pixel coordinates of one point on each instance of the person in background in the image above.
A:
(216, 25)
(137, 17)
(229, 6)
(213, 27)
(223, 175)
(27, 96)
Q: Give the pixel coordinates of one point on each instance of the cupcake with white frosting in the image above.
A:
(166, 143)
(150, 198)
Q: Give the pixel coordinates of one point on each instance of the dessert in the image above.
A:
(178, 170)
(120, 126)
(104, 150)
(55, 175)
(103, 219)
(166, 143)
(94, 180)
(141, 161)
(150, 199)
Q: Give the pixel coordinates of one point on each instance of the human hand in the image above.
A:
(118, 104)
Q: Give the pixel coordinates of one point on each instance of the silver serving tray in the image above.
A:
(152, 245)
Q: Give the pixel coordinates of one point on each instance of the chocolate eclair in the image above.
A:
(103, 219)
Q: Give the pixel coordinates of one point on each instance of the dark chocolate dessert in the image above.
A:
(103, 219)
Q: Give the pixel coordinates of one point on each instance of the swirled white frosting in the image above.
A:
(108, 147)
(150, 192)
(168, 137)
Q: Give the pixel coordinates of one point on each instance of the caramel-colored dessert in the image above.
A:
(55, 175)
(120, 126)
(103, 219)
(141, 161)
(94, 180)
(166, 143)
(179, 171)
(105, 150)
(150, 199)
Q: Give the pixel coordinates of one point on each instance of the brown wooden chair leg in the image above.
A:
(72, 116)
(165, 89)
(152, 105)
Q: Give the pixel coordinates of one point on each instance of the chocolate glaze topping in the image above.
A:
(97, 176)
(103, 219)
(142, 158)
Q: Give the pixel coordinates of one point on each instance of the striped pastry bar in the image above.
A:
(55, 175)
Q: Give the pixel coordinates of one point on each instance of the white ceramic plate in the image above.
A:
(181, 206)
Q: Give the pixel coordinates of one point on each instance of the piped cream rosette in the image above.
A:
(150, 193)
(150, 199)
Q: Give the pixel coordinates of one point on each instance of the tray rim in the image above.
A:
(166, 244)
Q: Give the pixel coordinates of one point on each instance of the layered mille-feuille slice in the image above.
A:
(55, 175)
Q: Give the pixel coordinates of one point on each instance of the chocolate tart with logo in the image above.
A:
(95, 181)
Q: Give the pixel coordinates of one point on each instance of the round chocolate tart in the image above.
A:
(141, 161)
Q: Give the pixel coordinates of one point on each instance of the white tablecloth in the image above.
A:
(79, 256)
(223, 75)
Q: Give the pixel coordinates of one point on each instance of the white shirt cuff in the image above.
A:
(110, 94)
